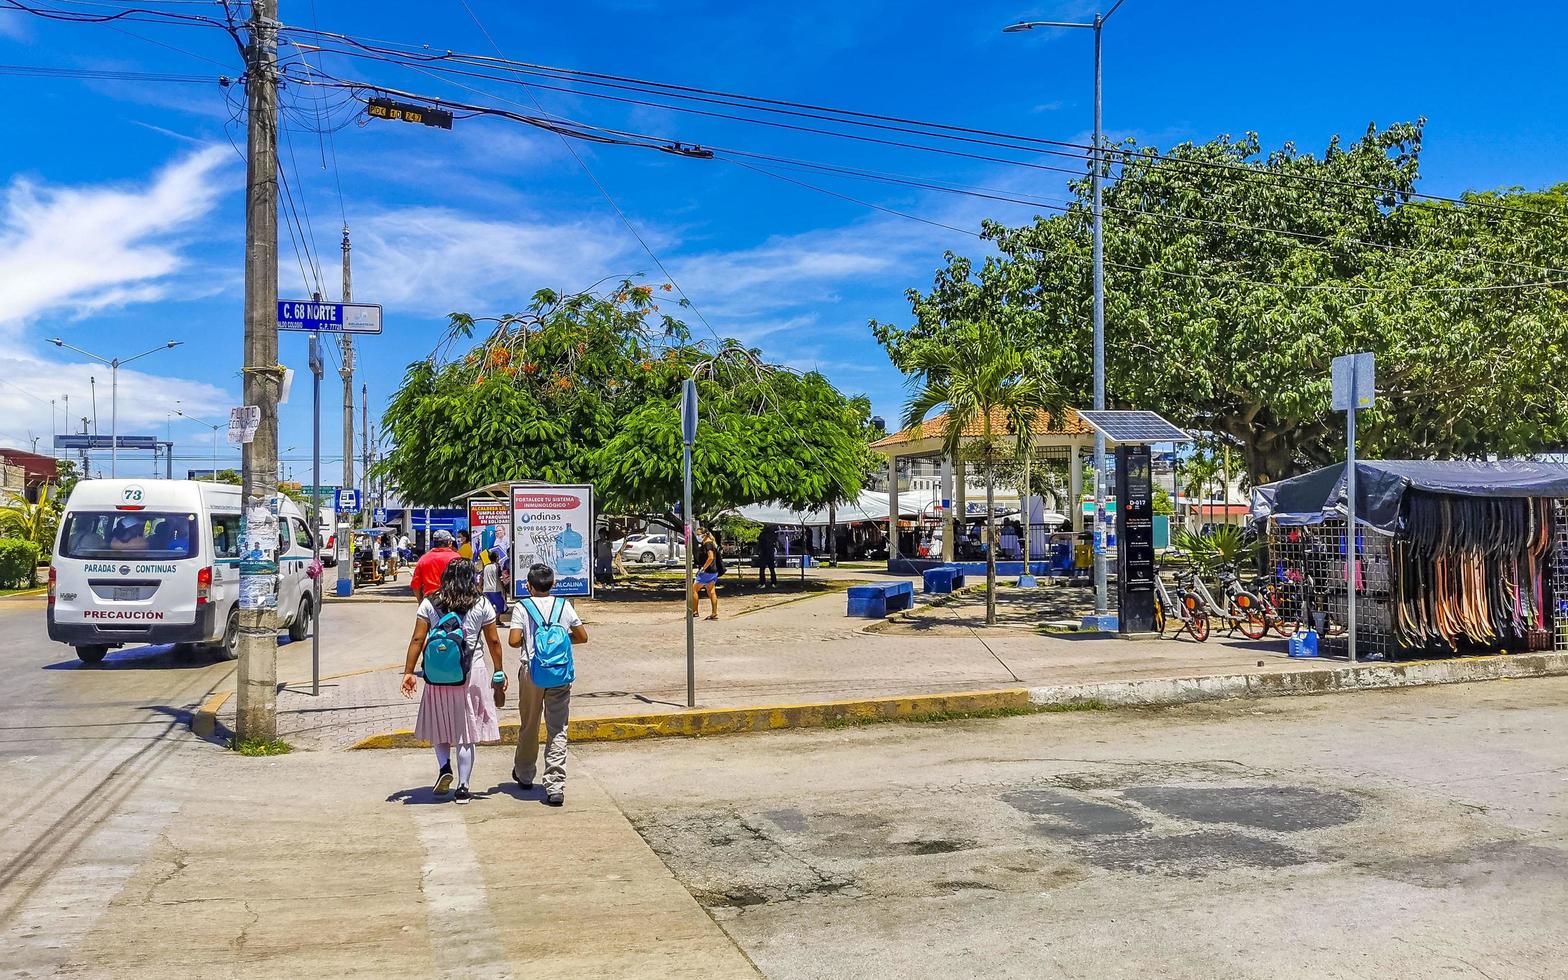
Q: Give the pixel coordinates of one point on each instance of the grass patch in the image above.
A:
(979, 714)
(38, 589)
(259, 746)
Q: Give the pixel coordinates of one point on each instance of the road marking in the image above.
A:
(464, 940)
(67, 903)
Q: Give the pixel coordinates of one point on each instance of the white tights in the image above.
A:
(465, 759)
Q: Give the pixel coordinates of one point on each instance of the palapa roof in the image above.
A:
(936, 428)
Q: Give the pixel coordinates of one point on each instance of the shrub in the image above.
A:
(18, 559)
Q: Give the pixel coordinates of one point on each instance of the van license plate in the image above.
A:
(127, 593)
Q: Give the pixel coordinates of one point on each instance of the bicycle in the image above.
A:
(1187, 613)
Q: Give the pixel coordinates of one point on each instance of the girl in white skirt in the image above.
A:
(453, 718)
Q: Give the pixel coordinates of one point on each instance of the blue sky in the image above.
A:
(121, 220)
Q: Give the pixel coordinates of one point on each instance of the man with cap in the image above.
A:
(432, 565)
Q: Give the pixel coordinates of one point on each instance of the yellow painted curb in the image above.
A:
(205, 721)
(760, 718)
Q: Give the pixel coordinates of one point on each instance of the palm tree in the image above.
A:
(33, 522)
(983, 382)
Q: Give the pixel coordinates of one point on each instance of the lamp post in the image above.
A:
(114, 391)
(211, 425)
(1101, 598)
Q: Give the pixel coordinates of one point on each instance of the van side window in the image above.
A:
(302, 534)
(226, 535)
(284, 544)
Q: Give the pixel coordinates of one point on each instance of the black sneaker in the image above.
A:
(444, 780)
(462, 795)
(520, 781)
(555, 799)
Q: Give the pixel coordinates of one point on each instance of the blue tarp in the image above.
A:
(1381, 485)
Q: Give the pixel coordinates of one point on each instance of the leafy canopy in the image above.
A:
(586, 388)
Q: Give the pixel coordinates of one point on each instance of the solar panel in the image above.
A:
(1134, 426)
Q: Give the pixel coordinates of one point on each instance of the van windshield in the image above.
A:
(115, 534)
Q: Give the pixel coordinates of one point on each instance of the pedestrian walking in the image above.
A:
(490, 582)
(604, 558)
(767, 555)
(457, 707)
(430, 568)
(710, 565)
(534, 613)
(465, 545)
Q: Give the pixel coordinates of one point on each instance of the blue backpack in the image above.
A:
(551, 664)
(447, 658)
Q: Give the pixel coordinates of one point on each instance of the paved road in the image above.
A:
(1415, 833)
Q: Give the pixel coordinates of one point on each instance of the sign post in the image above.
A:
(688, 438)
(315, 511)
(1354, 379)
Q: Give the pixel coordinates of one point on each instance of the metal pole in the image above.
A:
(691, 615)
(1350, 515)
(258, 646)
(114, 417)
(1101, 586)
(214, 476)
(315, 506)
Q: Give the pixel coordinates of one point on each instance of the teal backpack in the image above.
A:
(447, 658)
(551, 664)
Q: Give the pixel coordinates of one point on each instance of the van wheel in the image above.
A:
(300, 628)
(92, 654)
(228, 648)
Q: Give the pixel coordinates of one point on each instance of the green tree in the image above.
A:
(36, 522)
(980, 379)
(1234, 276)
(587, 388)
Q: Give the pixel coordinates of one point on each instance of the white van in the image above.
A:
(158, 561)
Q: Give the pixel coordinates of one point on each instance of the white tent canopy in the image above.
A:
(869, 506)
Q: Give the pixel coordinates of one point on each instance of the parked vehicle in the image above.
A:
(158, 561)
(653, 547)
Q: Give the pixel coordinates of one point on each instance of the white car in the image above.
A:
(653, 547)
(158, 561)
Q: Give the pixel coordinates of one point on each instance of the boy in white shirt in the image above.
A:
(554, 703)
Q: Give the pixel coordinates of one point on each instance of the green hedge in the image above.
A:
(18, 558)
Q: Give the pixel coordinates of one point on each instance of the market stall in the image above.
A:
(1451, 557)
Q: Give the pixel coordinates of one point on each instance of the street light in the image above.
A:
(114, 391)
(211, 425)
(1101, 599)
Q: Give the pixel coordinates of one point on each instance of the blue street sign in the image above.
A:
(78, 441)
(348, 501)
(308, 315)
(381, 515)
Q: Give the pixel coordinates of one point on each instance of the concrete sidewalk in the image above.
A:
(799, 652)
(306, 866)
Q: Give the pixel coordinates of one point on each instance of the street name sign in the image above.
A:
(408, 112)
(243, 423)
(79, 441)
(313, 317)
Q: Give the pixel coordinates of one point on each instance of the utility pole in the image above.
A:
(346, 541)
(364, 476)
(258, 648)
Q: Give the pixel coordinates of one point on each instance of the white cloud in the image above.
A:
(84, 249)
(436, 260)
(145, 401)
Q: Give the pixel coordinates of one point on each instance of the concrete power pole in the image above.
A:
(364, 476)
(258, 647)
(346, 543)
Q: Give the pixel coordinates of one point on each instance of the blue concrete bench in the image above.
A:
(943, 578)
(876, 601)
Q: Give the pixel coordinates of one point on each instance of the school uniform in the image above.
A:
(553, 703)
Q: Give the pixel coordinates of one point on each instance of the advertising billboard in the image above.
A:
(553, 525)
(490, 523)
